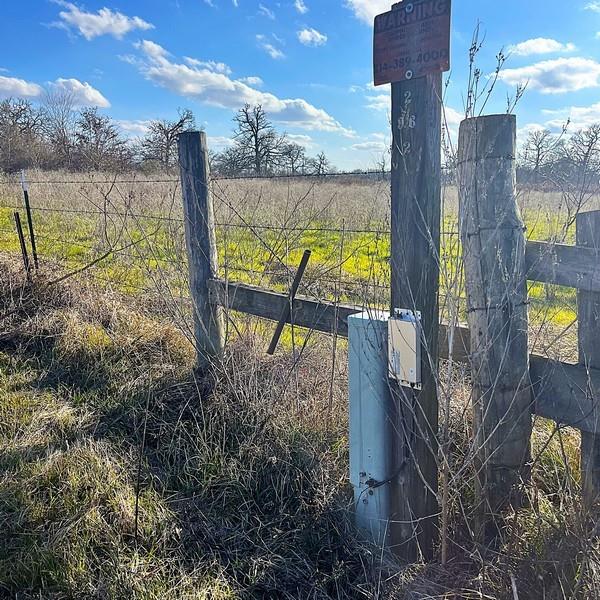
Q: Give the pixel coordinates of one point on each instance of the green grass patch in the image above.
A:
(351, 266)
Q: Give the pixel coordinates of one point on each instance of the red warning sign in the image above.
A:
(412, 40)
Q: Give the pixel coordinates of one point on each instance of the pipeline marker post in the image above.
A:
(411, 50)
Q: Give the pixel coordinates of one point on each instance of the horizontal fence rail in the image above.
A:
(559, 264)
(564, 392)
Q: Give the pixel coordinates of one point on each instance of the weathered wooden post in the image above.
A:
(588, 313)
(201, 244)
(412, 44)
(416, 213)
(493, 239)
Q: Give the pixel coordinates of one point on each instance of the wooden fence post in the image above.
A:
(201, 244)
(415, 225)
(493, 240)
(588, 314)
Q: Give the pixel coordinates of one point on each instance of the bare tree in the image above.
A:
(58, 107)
(577, 172)
(98, 143)
(231, 162)
(20, 126)
(320, 165)
(160, 144)
(256, 139)
(382, 164)
(293, 158)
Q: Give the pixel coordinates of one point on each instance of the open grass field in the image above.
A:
(263, 226)
(122, 477)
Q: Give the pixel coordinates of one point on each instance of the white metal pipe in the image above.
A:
(371, 430)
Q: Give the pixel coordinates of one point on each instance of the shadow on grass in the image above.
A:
(233, 499)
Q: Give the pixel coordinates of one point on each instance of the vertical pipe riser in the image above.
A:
(371, 431)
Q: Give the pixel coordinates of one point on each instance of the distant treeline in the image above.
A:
(554, 161)
(54, 134)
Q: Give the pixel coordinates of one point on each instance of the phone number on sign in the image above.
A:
(410, 61)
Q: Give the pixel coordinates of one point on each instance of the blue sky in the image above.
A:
(307, 61)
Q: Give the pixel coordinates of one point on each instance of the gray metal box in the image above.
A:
(404, 347)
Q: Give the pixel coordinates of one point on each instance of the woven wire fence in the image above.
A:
(263, 225)
(131, 230)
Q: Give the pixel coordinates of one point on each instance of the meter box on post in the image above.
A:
(404, 347)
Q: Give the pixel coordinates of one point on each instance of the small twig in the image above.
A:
(100, 259)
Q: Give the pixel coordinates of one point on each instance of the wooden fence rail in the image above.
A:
(563, 392)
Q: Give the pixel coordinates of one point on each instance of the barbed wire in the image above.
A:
(107, 213)
(179, 220)
(265, 227)
(99, 182)
(313, 176)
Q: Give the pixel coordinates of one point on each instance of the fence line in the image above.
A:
(312, 176)
(563, 391)
(560, 390)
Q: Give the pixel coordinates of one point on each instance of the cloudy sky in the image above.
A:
(308, 62)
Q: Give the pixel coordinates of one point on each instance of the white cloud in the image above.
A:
(381, 102)
(540, 46)
(306, 141)
(452, 118)
(523, 132)
(219, 141)
(301, 7)
(83, 93)
(152, 50)
(556, 76)
(270, 49)
(299, 138)
(11, 86)
(593, 6)
(211, 65)
(367, 10)
(370, 147)
(104, 22)
(135, 128)
(266, 12)
(252, 80)
(580, 117)
(218, 89)
(312, 37)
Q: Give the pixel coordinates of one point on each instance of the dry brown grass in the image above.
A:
(243, 490)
